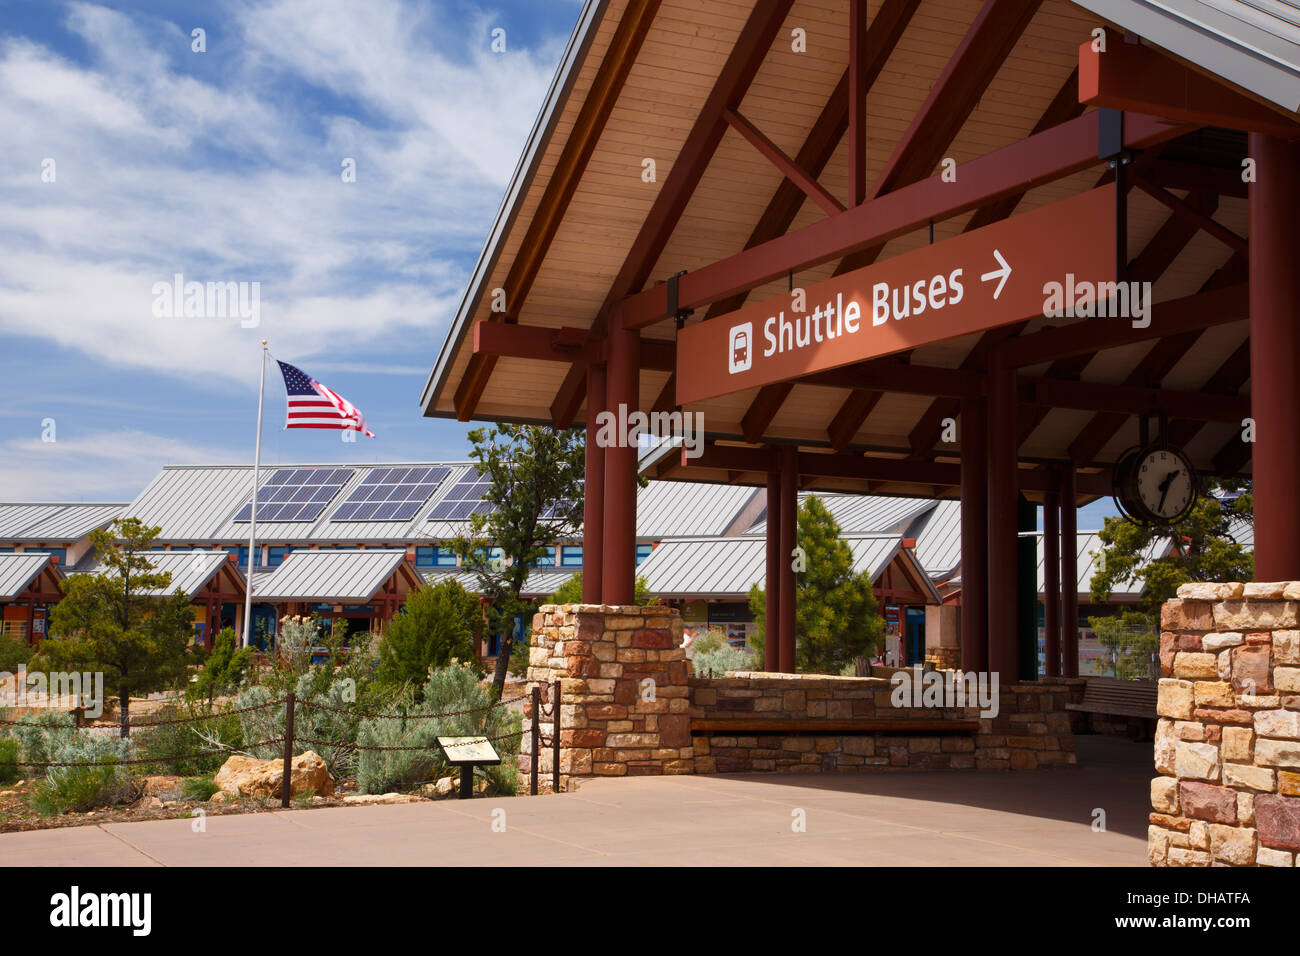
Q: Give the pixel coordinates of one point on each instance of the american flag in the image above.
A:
(312, 405)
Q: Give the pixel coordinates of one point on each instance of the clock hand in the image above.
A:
(1164, 487)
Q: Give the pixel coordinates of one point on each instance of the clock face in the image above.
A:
(1165, 483)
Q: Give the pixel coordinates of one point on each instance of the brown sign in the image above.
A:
(979, 280)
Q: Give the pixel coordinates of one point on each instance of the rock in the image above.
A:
(156, 786)
(155, 802)
(1164, 794)
(369, 799)
(1278, 723)
(220, 797)
(1278, 821)
(250, 777)
(1235, 845)
(1196, 761)
(1204, 801)
(1174, 698)
(8, 793)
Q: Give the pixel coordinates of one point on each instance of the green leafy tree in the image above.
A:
(534, 476)
(114, 622)
(436, 626)
(836, 617)
(224, 669)
(1202, 546)
(570, 592)
(1133, 642)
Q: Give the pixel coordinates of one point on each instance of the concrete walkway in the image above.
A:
(906, 819)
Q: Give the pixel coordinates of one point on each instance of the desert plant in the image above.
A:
(200, 745)
(13, 654)
(41, 733)
(718, 661)
(224, 669)
(331, 731)
(198, 788)
(8, 760)
(435, 626)
(94, 778)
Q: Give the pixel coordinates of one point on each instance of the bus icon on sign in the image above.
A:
(739, 358)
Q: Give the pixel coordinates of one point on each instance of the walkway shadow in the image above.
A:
(1113, 775)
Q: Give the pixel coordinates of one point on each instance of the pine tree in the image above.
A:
(437, 625)
(836, 616)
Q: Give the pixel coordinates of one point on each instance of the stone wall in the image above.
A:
(625, 703)
(1228, 739)
(1031, 729)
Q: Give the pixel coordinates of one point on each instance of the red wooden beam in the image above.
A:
(590, 123)
(858, 86)
(1045, 157)
(851, 416)
(1138, 79)
(1093, 396)
(535, 342)
(743, 63)
(763, 409)
(789, 168)
(1193, 215)
(1199, 311)
(890, 375)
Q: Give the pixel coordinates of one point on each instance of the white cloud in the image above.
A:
(160, 171)
(102, 466)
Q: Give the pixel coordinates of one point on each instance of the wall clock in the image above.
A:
(1155, 485)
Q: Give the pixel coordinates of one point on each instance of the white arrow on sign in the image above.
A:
(1000, 274)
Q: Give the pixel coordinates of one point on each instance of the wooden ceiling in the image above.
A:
(948, 79)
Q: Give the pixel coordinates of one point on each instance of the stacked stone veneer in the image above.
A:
(1031, 730)
(1228, 739)
(628, 704)
(625, 703)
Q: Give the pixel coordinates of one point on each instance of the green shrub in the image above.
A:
(198, 746)
(223, 671)
(83, 787)
(198, 788)
(449, 690)
(40, 734)
(435, 627)
(718, 661)
(8, 760)
(13, 654)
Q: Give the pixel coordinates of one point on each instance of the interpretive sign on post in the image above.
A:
(468, 753)
(979, 280)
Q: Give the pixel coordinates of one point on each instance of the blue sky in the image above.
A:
(226, 166)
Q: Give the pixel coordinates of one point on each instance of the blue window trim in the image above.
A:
(434, 556)
(571, 556)
(643, 552)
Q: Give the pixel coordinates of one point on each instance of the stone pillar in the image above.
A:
(1227, 742)
(625, 708)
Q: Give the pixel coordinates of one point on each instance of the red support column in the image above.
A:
(1002, 497)
(593, 515)
(1052, 584)
(1069, 576)
(1274, 345)
(789, 541)
(974, 537)
(772, 583)
(622, 393)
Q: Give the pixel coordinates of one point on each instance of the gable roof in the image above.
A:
(190, 570)
(338, 577)
(54, 521)
(17, 571)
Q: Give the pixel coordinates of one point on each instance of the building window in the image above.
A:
(429, 556)
(242, 552)
(571, 556)
(643, 552)
(546, 560)
(60, 553)
(275, 556)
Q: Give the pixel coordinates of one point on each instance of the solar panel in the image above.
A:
(390, 494)
(296, 494)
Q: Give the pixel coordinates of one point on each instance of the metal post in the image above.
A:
(789, 541)
(974, 537)
(772, 582)
(466, 781)
(1274, 343)
(1052, 584)
(1002, 495)
(593, 515)
(536, 738)
(287, 780)
(555, 736)
(1069, 576)
(252, 514)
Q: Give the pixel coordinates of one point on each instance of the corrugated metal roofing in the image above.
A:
(729, 567)
(540, 583)
(864, 514)
(1252, 43)
(190, 570)
(938, 540)
(1088, 550)
(54, 521)
(676, 509)
(17, 571)
(338, 576)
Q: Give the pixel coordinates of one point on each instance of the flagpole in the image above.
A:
(252, 515)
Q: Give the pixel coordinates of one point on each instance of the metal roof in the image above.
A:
(1252, 43)
(1087, 552)
(54, 521)
(17, 571)
(540, 583)
(336, 576)
(938, 540)
(729, 567)
(864, 514)
(190, 570)
(675, 509)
